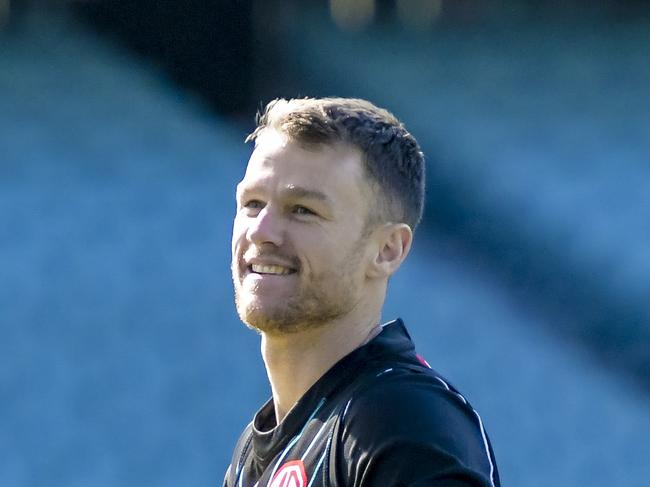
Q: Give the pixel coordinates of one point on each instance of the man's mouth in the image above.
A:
(275, 270)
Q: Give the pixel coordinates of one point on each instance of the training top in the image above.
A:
(379, 417)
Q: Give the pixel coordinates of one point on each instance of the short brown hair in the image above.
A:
(392, 156)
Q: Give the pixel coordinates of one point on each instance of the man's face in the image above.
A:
(298, 252)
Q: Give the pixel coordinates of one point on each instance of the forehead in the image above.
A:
(279, 163)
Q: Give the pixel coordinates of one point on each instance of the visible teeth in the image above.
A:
(270, 269)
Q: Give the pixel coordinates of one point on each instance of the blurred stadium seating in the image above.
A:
(123, 360)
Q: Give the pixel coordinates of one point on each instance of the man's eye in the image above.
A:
(302, 210)
(253, 205)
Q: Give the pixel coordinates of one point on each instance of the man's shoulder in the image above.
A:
(408, 400)
(412, 422)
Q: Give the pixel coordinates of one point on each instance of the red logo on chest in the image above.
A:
(291, 474)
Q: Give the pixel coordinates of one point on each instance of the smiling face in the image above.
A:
(299, 255)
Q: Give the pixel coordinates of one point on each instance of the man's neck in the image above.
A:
(294, 362)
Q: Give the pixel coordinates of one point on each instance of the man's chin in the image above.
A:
(264, 322)
(275, 322)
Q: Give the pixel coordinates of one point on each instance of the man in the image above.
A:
(325, 215)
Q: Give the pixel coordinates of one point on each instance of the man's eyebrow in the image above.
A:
(300, 192)
(290, 191)
(243, 188)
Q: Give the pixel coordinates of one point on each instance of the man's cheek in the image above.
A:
(238, 234)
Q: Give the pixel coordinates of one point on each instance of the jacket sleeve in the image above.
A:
(238, 456)
(408, 431)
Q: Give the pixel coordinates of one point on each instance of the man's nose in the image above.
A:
(266, 227)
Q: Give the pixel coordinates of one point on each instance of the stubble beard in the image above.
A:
(325, 298)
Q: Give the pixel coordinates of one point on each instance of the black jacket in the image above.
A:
(379, 417)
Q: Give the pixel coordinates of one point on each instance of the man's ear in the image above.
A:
(394, 243)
